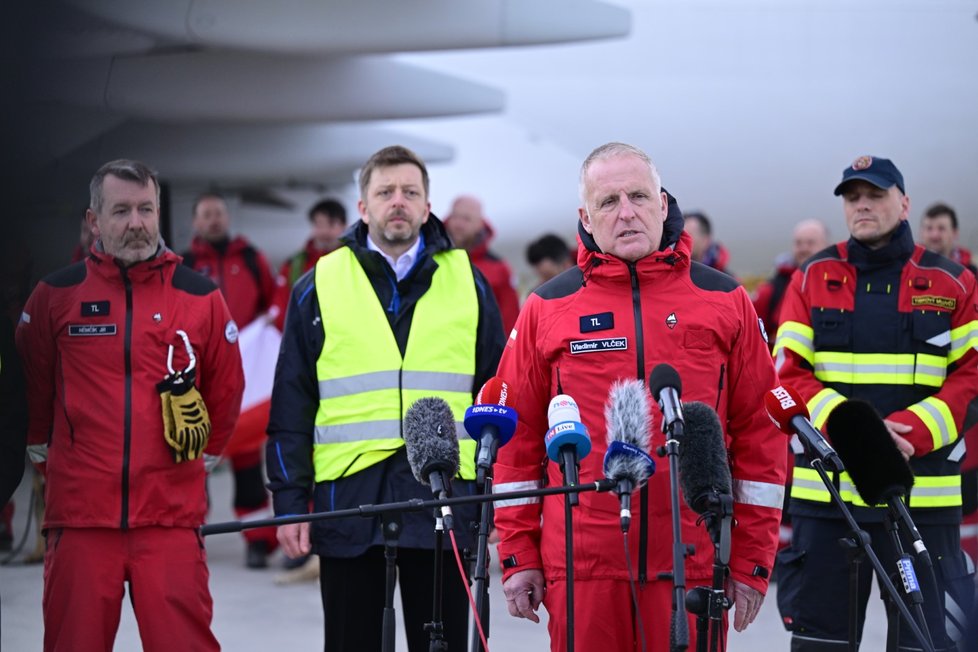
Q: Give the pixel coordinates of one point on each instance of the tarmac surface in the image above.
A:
(251, 612)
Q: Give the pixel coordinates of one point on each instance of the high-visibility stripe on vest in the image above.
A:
(928, 491)
(365, 387)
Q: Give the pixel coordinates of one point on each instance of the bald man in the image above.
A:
(470, 230)
(808, 238)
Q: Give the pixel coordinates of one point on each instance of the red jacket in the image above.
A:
(94, 339)
(500, 278)
(692, 317)
(242, 273)
(290, 271)
(769, 295)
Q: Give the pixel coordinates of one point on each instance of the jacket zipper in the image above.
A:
(64, 403)
(643, 532)
(723, 368)
(127, 402)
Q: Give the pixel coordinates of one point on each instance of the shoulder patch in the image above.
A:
(707, 278)
(564, 284)
(192, 282)
(67, 276)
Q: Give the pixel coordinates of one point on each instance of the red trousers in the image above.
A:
(85, 570)
(605, 620)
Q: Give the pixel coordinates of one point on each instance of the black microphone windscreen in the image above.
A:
(430, 438)
(870, 455)
(664, 375)
(703, 466)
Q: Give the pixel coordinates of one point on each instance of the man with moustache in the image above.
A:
(393, 315)
(125, 496)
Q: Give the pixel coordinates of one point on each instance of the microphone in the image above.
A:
(788, 412)
(667, 389)
(874, 462)
(704, 472)
(567, 439)
(432, 448)
(490, 422)
(627, 461)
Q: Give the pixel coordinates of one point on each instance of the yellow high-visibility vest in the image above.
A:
(365, 386)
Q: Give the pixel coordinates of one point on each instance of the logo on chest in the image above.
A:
(599, 345)
(946, 303)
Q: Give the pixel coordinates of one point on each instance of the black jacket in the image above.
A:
(295, 398)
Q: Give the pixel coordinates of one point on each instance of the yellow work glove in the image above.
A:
(186, 423)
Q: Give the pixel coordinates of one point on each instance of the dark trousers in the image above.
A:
(813, 584)
(353, 600)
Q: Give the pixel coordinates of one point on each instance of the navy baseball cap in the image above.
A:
(878, 171)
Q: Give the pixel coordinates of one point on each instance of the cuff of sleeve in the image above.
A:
(755, 576)
(290, 502)
(515, 558)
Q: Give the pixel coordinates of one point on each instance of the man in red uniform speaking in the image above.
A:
(133, 376)
(639, 300)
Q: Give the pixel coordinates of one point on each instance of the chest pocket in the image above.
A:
(932, 331)
(833, 328)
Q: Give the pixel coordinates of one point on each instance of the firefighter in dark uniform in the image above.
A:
(880, 319)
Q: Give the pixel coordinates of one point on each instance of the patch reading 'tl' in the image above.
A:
(599, 322)
(948, 303)
(597, 346)
(95, 309)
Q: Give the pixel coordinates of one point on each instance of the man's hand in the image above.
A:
(896, 430)
(524, 593)
(294, 539)
(747, 602)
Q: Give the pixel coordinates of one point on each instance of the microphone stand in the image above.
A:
(709, 603)
(859, 538)
(436, 628)
(480, 577)
(392, 532)
(679, 627)
(410, 505)
(570, 500)
(905, 570)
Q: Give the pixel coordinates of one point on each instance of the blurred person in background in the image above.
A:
(242, 273)
(470, 230)
(808, 237)
(549, 255)
(327, 219)
(939, 233)
(706, 250)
